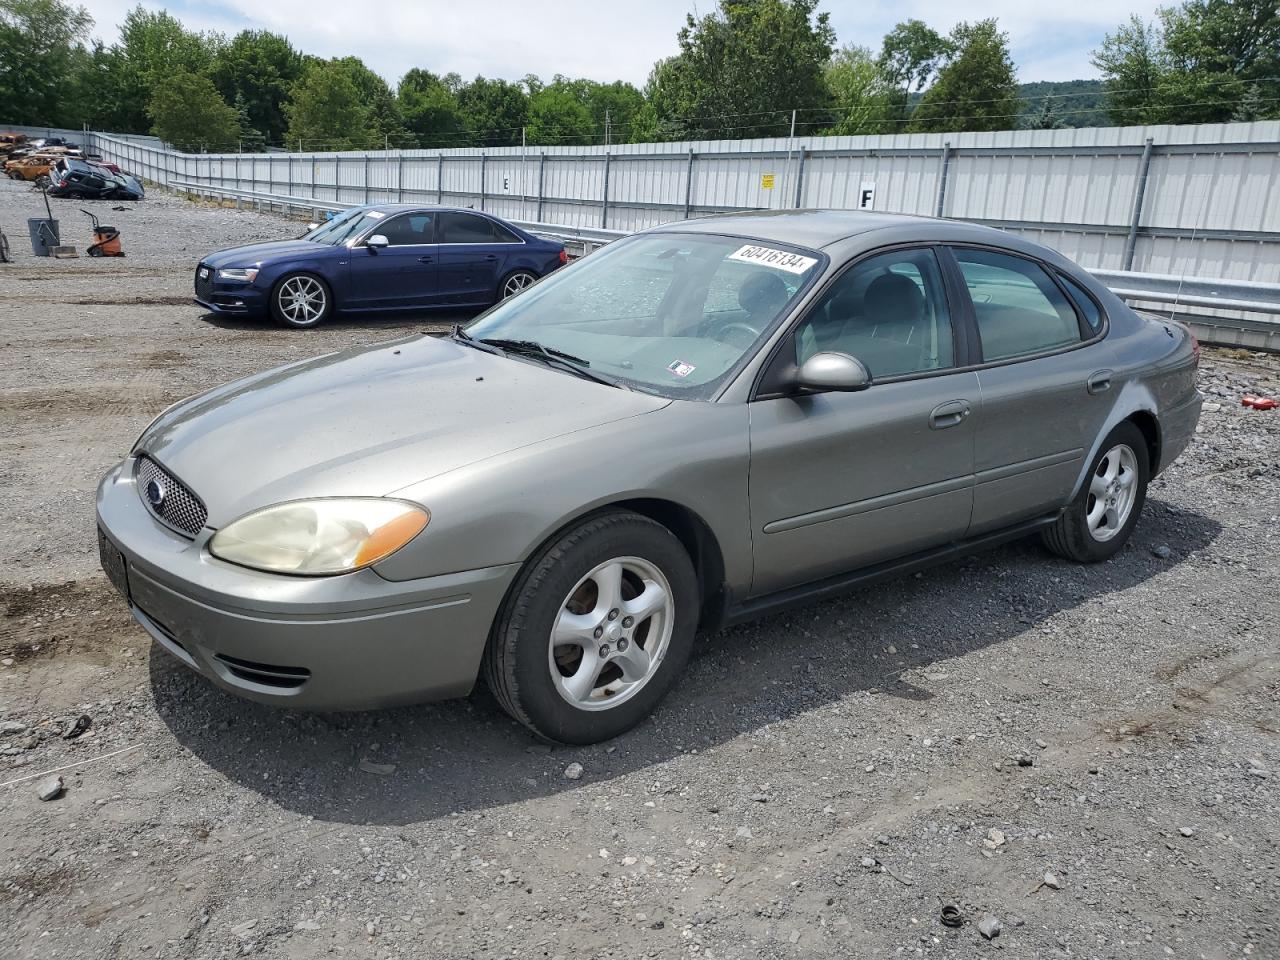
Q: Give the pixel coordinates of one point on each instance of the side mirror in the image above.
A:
(832, 373)
(377, 242)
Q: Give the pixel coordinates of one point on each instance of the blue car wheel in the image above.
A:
(301, 300)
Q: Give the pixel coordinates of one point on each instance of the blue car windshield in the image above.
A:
(348, 224)
(674, 314)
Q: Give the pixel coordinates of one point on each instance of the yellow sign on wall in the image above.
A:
(766, 181)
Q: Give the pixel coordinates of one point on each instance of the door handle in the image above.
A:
(949, 414)
(491, 258)
(1100, 381)
(426, 259)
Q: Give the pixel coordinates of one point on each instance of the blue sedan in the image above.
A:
(377, 258)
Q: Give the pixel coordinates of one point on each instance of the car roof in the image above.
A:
(390, 208)
(812, 228)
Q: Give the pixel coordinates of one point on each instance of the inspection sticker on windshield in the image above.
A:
(680, 368)
(769, 257)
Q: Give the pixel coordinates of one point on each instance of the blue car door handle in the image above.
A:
(948, 414)
(491, 258)
(426, 259)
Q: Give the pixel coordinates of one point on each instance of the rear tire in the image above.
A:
(1099, 521)
(301, 301)
(596, 630)
(515, 282)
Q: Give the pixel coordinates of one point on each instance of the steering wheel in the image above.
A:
(747, 334)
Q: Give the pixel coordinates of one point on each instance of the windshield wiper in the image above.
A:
(562, 360)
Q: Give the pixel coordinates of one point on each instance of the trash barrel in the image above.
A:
(44, 234)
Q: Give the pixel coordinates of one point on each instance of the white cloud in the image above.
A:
(606, 39)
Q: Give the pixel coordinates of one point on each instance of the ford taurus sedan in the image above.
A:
(378, 258)
(696, 425)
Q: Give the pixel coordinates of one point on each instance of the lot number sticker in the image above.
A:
(769, 257)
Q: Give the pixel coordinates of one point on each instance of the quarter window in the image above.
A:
(889, 311)
(1089, 308)
(465, 228)
(1020, 311)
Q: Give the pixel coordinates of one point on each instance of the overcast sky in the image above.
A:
(607, 39)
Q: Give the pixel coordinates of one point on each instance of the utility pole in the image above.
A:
(786, 176)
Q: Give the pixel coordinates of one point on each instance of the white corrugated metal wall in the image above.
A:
(1210, 206)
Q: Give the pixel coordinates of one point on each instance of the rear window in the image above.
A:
(1020, 311)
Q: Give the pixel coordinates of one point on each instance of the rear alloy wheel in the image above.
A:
(596, 630)
(301, 300)
(1102, 516)
(517, 282)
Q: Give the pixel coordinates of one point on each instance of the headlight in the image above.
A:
(247, 274)
(320, 537)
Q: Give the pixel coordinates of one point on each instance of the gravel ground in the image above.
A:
(1090, 755)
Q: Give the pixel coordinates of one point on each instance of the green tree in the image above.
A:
(251, 138)
(188, 112)
(386, 125)
(909, 59)
(558, 115)
(863, 101)
(258, 68)
(155, 46)
(493, 112)
(1251, 106)
(1214, 50)
(40, 42)
(326, 111)
(976, 87)
(429, 109)
(742, 69)
(1133, 68)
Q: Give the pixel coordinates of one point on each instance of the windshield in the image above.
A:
(670, 313)
(348, 224)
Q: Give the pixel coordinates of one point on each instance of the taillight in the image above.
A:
(564, 255)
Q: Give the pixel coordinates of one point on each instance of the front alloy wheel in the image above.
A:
(597, 628)
(300, 300)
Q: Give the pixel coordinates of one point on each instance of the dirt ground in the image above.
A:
(821, 783)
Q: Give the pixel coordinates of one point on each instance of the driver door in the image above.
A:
(401, 274)
(841, 481)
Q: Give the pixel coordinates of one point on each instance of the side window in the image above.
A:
(464, 228)
(502, 235)
(889, 311)
(407, 229)
(1089, 308)
(1020, 311)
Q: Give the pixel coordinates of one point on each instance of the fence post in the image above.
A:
(803, 153)
(484, 162)
(238, 181)
(942, 178)
(314, 176)
(542, 166)
(337, 178)
(604, 199)
(440, 180)
(400, 177)
(366, 177)
(688, 187)
(1139, 195)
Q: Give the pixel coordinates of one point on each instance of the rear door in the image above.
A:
(403, 273)
(1046, 385)
(846, 480)
(473, 252)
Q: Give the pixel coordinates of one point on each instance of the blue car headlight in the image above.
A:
(244, 274)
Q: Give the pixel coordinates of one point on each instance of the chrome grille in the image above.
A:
(178, 506)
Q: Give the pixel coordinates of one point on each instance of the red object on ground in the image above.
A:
(1258, 403)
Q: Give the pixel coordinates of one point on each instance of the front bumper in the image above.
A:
(350, 642)
(233, 297)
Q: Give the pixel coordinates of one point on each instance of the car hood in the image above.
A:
(370, 421)
(252, 254)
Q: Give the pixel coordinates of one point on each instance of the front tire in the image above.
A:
(1098, 522)
(301, 300)
(597, 629)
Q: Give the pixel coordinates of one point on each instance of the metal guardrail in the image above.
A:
(1181, 293)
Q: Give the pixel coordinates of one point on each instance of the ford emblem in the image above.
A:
(155, 493)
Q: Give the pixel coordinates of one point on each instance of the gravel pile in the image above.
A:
(1069, 761)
